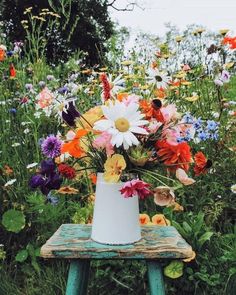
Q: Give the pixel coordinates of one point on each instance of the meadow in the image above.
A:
(196, 73)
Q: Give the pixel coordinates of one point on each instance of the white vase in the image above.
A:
(115, 218)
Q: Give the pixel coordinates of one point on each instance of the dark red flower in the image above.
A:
(105, 86)
(66, 171)
(202, 164)
(174, 156)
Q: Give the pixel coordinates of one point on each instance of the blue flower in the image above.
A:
(188, 118)
(198, 123)
(202, 135)
(12, 111)
(52, 199)
(212, 125)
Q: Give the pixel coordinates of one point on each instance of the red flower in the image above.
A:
(202, 164)
(66, 171)
(175, 156)
(12, 71)
(105, 86)
(230, 41)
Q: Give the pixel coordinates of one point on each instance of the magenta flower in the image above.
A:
(136, 187)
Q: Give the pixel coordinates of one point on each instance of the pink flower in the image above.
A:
(163, 196)
(44, 98)
(186, 68)
(171, 136)
(103, 141)
(182, 176)
(131, 99)
(169, 113)
(136, 187)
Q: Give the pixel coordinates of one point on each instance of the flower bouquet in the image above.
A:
(138, 148)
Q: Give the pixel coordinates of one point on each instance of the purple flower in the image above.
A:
(225, 76)
(51, 146)
(63, 90)
(218, 82)
(70, 114)
(47, 179)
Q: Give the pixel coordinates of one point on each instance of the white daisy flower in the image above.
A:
(233, 188)
(32, 165)
(15, 144)
(121, 122)
(160, 79)
(10, 182)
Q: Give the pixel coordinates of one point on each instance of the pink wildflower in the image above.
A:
(104, 142)
(131, 99)
(44, 98)
(136, 187)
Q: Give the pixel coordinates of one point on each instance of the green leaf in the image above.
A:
(22, 256)
(205, 237)
(174, 270)
(13, 220)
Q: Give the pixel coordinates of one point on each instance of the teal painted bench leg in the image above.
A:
(77, 282)
(155, 278)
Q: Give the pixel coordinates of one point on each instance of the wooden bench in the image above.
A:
(72, 241)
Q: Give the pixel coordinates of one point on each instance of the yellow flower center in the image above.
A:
(122, 124)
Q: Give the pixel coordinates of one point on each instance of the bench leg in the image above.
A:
(77, 282)
(155, 278)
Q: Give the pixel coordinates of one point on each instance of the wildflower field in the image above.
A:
(61, 123)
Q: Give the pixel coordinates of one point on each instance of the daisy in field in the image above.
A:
(122, 121)
(158, 78)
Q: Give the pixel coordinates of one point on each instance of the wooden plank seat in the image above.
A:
(72, 241)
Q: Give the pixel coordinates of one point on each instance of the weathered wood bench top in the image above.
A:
(73, 241)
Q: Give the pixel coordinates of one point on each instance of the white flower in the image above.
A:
(158, 78)
(10, 182)
(233, 188)
(32, 165)
(116, 84)
(121, 122)
(37, 115)
(15, 144)
(26, 131)
(3, 47)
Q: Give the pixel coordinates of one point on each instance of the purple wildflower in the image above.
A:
(51, 146)
(70, 114)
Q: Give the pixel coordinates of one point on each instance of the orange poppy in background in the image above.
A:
(175, 156)
(152, 109)
(202, 164)
(12, 71)
(2, 54)
(93, 178)
(231, 41)
(73, 147)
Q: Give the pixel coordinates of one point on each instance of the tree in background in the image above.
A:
(83, 25)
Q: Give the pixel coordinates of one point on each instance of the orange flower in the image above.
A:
(67, 190)
(159, 219)
(93, 178)
(73, 147)
(175, 156)
(2, 54)
(122, 95)
(230, 41)
(7, 170)
(12, 71)
(202, 164)
(152, 109)
(160, 93)
(144, 219)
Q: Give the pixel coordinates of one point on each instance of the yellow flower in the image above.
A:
(178, 39)
(91, 116)
(103, 69)
(192, 98)
(229, 65)
(126, 63)
(67, 190)
(186, 83)
(223, 32)
(113, 168)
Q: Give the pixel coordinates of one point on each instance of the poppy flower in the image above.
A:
(182, 176)
(2, 52)
(144, 219)
(174, 156)
(163, 196)
(12, 71)
(152, 110)
(73, 147)
(202, 164)
(159, 219)
(113, 168)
